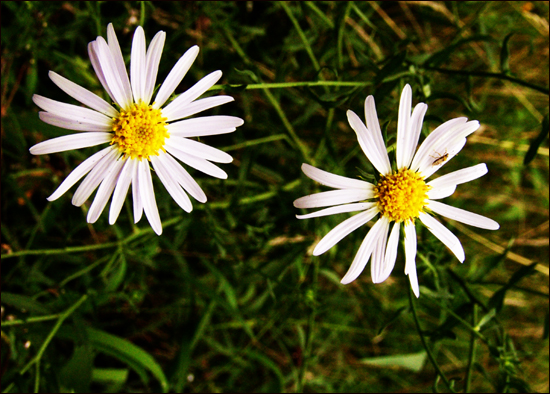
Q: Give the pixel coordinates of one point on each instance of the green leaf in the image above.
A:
(537, 142)
(24, 303)
(485, 319)
(393, 318)
(488, 265)
(116, 275)
(505, 55)
(451, 96)
(112, 378)
(391, 67)
(440, 57)
(234, 88)
(497, 300)
(269, 364)
(75, 376)
(135, 357)
(413, 361)
(249, 73)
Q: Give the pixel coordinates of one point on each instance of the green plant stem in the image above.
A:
(302, 35)
(340, 39)
(257, 141)
(37, 377)
(491, 75)
(283, 85)
(37, 319)
(472, 354)
(310, 329)
(36, 359)
(425, 344)
(275, 103)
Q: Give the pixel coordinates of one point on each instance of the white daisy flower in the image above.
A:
(138, 132)
(400, 196)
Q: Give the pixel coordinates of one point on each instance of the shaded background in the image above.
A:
(229, 298)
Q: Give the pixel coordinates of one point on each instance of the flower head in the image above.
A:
(139, 132)
(400, 196)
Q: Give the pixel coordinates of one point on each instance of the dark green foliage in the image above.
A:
(229, 298)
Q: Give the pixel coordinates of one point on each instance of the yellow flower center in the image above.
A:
(401, 195)
(140, 131)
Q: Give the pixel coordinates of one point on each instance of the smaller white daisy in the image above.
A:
(139, 132)
(400, 196)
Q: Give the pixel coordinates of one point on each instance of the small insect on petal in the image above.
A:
(440, 159)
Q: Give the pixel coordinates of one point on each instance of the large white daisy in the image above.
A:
(401, 196)
(139, 132)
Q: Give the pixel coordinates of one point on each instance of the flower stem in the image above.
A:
(425, 344)
(472, 355)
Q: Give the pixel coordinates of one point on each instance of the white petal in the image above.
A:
(415, 125)
(175, 76)
(440, 192)
(197, 149)
(447, 137)
(410, 246)
(444, 235)
(81, 170)
(72, 124)
(378, 253)
(173, 188)
(391, 253)
(347, 226)
(201, 105)
(378, 158)
(70, 111)
(119, 66)
(83, 95)
(375, 132)
(206, 125)
(138, 64)
(172, 110)
(183, 178)
(460, 215)
(70, 142)
(92, 53)
(94, 178)
(460, 176)
(363, 254)
(154, 52)
(148, 196)
(104, 192)
(200, 164)
(109, 68)
(403, 120)
(121, 189)
(361, 206)
(410, 257)
(425, 149)
(333, 197)
(136, 197)
(428, 168)
(333, 180)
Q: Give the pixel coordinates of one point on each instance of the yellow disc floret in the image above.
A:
(401, 195)
(140, 131)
